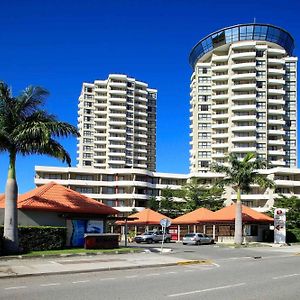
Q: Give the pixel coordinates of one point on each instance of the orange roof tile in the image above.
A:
(193, 217)
(57, 198)
(145, 217)
(227, 214)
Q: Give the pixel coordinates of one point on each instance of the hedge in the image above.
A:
(39, 238)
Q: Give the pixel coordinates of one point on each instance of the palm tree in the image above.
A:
(240, 174)
(26, 129)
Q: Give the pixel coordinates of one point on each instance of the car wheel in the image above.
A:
(198, 243)
(212, 242)
(167, 240)
(183, 243)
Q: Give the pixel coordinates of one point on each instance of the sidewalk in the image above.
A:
(21, 267)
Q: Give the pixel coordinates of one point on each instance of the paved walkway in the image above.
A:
(85, 263)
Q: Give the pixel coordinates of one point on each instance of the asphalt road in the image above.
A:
(234, 274)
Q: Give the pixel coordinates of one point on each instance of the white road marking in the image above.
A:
(152, 274)
(131, 276)
(16, 287)
(208, 290)
(172, 272)
(50, 284)
(285, 276)
(109, 278)
(189, 270)
(80, 281)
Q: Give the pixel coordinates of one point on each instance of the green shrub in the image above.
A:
(39, 238)
(293, 235)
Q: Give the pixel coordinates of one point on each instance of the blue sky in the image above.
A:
(60, 44)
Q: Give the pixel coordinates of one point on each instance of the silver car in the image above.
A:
(197, 239)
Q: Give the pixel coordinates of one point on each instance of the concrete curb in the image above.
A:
(88, 270)
(193, 262)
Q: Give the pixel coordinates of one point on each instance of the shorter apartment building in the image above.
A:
(125, 189)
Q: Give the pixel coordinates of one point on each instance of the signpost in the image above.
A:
(279, 226)
(164, 224)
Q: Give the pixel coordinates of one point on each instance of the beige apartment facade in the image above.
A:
(243, 96)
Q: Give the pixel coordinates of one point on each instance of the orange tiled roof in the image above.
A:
(57, 198)
(193, 217)
(227, 214)
(146, 217)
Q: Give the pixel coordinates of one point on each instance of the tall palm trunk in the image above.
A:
(11, 243)
(238, 237)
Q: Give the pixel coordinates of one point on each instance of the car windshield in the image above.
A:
(190, 235)
(148, 233)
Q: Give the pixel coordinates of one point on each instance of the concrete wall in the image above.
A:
(36, 218)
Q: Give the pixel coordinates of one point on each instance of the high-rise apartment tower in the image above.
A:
(243, 96)
(117, 124)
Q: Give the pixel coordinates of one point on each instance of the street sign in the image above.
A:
(279, 226)
(165, 222)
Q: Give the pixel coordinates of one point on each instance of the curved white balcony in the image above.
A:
(116, 154)
(243, 128)
(275, 61)
(117, 92)
(220, 116)
(276, 132)
(141, 98)
(244, 118)
(276, 51)
(102, 105)
(118, 84)
(276, 111)
(276, 122)
(220, 106)
(244, 45)
(102, 156)
(119, 138)
(117, 123)
(141, 106)
(117, 115)
(276, 142)
(276, 152)
(219, 135)
(279, 163)
(220, 97)
(244, 87)
(100, 142)
(247, 107)
(118, 107)
(140, 113)
(139, 135)
(220, 77)
(244, 138)
(219, 126)
(276, 101)
(113, 146)
(220, 87)
(244, 66)
(100, 90)
(220, 68)
(114, 130)
(218, 155)
(276, 81)
(245, 76)
(141, 143)
(219, 58)
(100, 127)
(243, 55)
(101, 113)
(220, 145)
(243, 149)
(244, 97)
(274, 71)
(276, 92)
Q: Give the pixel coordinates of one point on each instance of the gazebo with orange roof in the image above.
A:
(191, 221)
(255, 224)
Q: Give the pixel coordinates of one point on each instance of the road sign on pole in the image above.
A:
(279, 226)
(164, 224)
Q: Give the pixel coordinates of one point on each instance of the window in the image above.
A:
(204, 126)
(261, 115)
(261, 126)
(261, 146)
(260, 95)
(87, 126)
(204, 98)
(204, 135)
(204, 117)
(204, 107)
(87, 163)
(260, 84)
(203, 89)
(261, 105)
(204, 154)
(204, 145)
(260, 63)
(261, 136)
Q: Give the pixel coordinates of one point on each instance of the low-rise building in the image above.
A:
(128, 189)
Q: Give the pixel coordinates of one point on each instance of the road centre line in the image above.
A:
(16, 287)
(50, 284)
(80, 281)
(152, 274)
(131, 276)
(207, 290)
(109, 278)
(286, 276)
